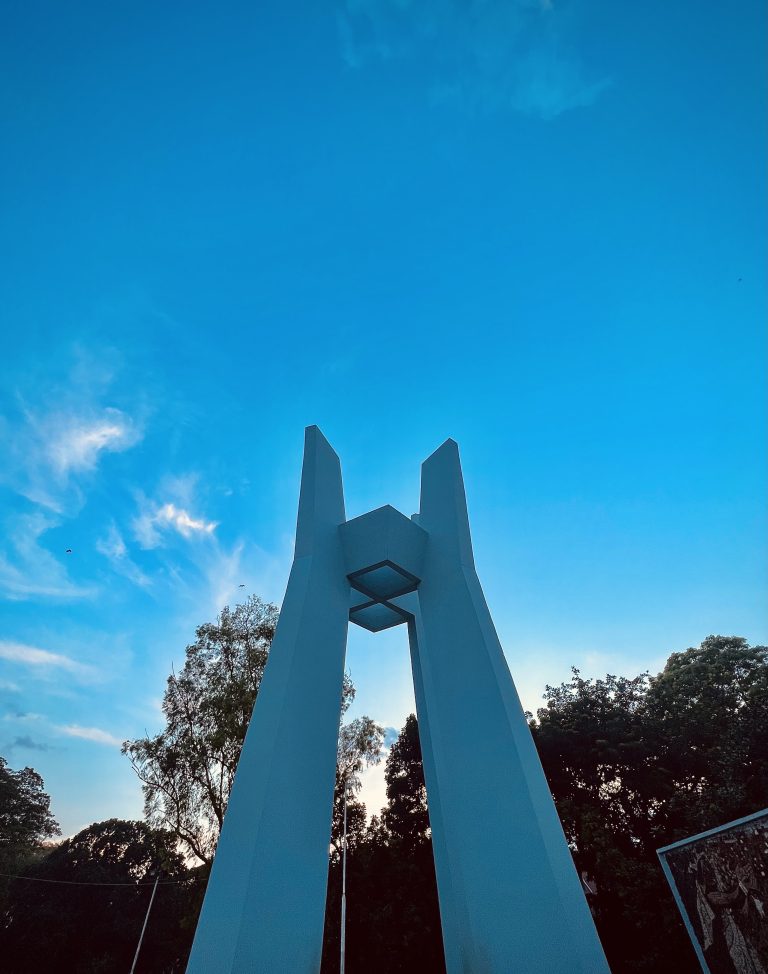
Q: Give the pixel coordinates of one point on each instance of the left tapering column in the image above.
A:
(265, 903)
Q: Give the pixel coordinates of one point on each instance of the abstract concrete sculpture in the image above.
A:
(510, 898)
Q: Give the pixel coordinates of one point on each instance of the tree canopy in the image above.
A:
(360, 745)
(25, 813)
(406, 817)
(85, 902)
(708, 710)
(188, 768)
(393, 919)
(25, 819)
(633, 763)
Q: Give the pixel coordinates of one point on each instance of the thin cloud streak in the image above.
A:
(485, 57)
(44, 660)
(95, 734)
(48, 454)
(259, 572)
(183, 522)
(223, 577)
(148, 526)
(74, 443)
(28, 569)
(115, 550)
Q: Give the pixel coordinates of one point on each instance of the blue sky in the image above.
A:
(536, 227)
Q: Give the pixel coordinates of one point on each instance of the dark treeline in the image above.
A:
(51, 925)
(393, 919)
(633, 764)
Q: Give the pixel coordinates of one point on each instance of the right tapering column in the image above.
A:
(510, 897)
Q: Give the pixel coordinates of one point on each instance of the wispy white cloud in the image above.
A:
(112, 544)
(114, 548)
(223, 577)
(218, 575)
(44, 660)
(155, 519)
(49, 453)
(183, 521)
(27, 569)
(52, 447)
(481, 55)
(244, 569)
(95, 734)
(74, 443)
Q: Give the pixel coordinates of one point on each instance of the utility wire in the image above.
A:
(74, 882)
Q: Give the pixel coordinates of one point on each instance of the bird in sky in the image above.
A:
(69, 551)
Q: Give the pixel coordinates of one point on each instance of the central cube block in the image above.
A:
(384, 554)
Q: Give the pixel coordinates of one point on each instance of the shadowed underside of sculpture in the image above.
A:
(510, 898)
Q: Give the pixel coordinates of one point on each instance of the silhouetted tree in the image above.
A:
(69, 917)
(707, 715)
(25, 813)
(635, 764)
(25, 820)
(406, 817)
(187, 769)
(360, 745)
(393, 921)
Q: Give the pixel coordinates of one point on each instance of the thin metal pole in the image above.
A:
(344, 886)
(146, 918)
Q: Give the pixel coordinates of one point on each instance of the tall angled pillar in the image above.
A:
(265, 903)
(510, 897)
